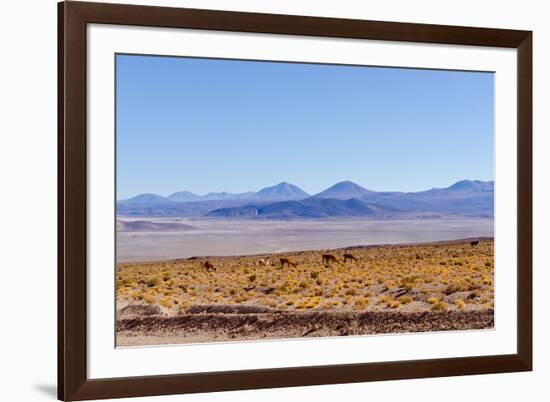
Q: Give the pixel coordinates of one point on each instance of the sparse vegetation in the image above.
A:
(390, 278)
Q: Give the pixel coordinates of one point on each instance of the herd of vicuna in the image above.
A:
(327, 260)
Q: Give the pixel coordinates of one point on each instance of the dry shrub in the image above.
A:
(384, 299)
(452, 288)
(440, 306)
(405, 299)
(166, 302)
(487, 280)
(433, 300)
(149, 299)
(351, 292)
(152, 282)
(361, 303)
(393, 304)
(408, 282)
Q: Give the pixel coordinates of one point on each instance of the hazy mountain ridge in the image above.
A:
(187, 196)
(280, 192)
(173, 208)
(308, 208)
(343, 199)
(466, 197)
(186, 203)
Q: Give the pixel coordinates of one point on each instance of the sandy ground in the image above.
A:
(386, 289)
(240, 237)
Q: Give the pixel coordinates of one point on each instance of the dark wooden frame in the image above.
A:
(73, 383)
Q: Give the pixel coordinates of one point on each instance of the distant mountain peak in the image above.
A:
(183, 196)
(283, 192)
(346, 183)
(283, 184)
(344, 190)
(147, 198)
(468, 185)
(185, 192)
(224, 195)
(147, 195)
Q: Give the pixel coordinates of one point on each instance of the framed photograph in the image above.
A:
(253, 200)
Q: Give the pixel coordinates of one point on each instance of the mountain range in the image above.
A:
(279, 192)
(344, 199)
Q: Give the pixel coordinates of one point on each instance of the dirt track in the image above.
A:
(215, 326)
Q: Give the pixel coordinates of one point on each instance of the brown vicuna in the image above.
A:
(209, 266)
(288, 261)
(329, 259)
(350, 257)
(474, 243)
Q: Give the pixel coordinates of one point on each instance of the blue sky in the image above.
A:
(224, 125)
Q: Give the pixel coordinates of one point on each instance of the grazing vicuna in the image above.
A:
(329, 258)
(474, 243)
(209, 266)
(288, 262)
(350, 257)
(264, 262)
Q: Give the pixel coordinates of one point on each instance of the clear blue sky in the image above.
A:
(223, 125)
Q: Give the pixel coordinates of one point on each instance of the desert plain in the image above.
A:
(392, 288)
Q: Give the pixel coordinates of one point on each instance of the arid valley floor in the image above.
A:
(387, 289)
(185, 237)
